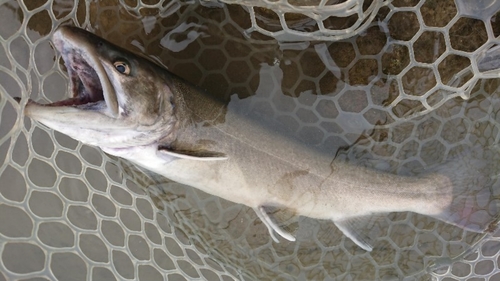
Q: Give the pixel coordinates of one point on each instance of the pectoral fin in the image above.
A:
(355, 229)
(276, 219)
(200, 155)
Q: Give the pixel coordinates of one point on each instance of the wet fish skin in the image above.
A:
(159, 121)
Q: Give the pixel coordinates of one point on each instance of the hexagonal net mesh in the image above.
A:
(399, 86)
(310, 19)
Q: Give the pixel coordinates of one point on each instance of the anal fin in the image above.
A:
(356, 229)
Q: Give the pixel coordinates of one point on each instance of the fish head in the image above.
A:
(118, 99)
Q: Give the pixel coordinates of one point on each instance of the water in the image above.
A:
(114, 220)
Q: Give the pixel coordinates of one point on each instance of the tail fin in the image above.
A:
(475, 176)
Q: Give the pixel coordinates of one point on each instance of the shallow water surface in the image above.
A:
(393, 98)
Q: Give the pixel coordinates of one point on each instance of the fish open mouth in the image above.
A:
(90, 87)
(85, 84)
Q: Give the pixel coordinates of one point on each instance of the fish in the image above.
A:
(133, 108)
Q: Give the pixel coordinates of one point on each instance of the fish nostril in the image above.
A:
(172, 102)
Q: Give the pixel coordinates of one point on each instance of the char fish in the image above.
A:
(132, 108)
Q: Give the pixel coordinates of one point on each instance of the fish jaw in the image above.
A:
(79, 51)
(107, 108)
(96, 130)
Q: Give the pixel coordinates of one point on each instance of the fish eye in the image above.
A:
(122, 67)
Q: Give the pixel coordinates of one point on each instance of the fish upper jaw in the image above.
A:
(89, 82)
(91, 115)
(107, 107)
(90, 87)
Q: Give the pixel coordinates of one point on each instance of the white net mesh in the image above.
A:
(310, 19)
(401, 83)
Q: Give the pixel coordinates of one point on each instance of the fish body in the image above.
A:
(134, 109)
